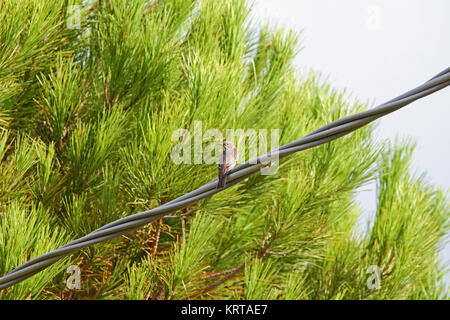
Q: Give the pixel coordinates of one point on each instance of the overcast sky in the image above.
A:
(377, 50)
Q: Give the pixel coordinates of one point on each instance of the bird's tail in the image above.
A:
(222, 182)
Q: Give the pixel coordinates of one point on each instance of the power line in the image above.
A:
(327, 133)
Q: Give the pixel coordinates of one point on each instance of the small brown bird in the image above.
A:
(227, 162)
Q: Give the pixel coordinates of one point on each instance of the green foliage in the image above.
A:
(26, 234)
(87, 117)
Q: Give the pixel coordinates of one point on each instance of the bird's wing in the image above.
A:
(222, 169)
(223, 164)
(222, 172)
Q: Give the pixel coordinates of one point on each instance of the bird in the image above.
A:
(226, 162)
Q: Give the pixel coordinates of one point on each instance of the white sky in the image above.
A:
(377, 50)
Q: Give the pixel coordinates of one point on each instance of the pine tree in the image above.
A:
(88, 108)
